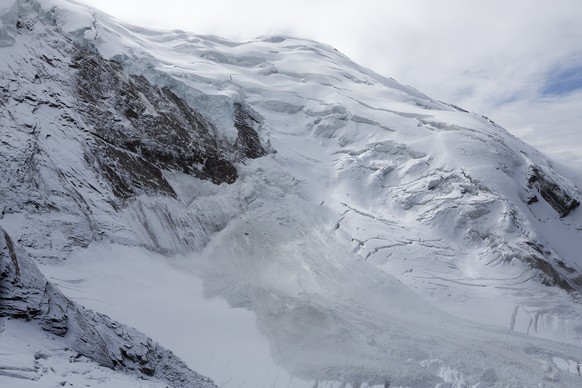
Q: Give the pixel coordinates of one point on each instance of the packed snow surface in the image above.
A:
(387, 238)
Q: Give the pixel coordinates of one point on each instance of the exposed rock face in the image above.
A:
(553, 271)
(558, 198)
(143, 129)
(248, 142)
(25, 294)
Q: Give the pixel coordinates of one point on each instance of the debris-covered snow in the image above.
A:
(348, 230)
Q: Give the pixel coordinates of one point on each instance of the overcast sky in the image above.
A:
(517, 61)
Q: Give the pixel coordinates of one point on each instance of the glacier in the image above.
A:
(275, 214)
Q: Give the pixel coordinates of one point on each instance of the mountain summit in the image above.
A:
(272, 213)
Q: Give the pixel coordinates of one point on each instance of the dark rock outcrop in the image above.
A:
(248, 143)
(140, 129)
(552, 270)
(556, 196)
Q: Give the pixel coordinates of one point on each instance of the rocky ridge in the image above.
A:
(26, 295)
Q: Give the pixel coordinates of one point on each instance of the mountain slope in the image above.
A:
(26, 295)
(295, 184)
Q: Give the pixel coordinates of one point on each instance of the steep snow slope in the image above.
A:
(118, 135)
(444, 199)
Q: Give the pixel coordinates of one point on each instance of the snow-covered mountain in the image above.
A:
(272, 213)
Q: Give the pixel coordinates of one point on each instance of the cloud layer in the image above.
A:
(518, 62)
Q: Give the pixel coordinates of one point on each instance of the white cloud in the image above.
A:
(552, 124)
(490, 56)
